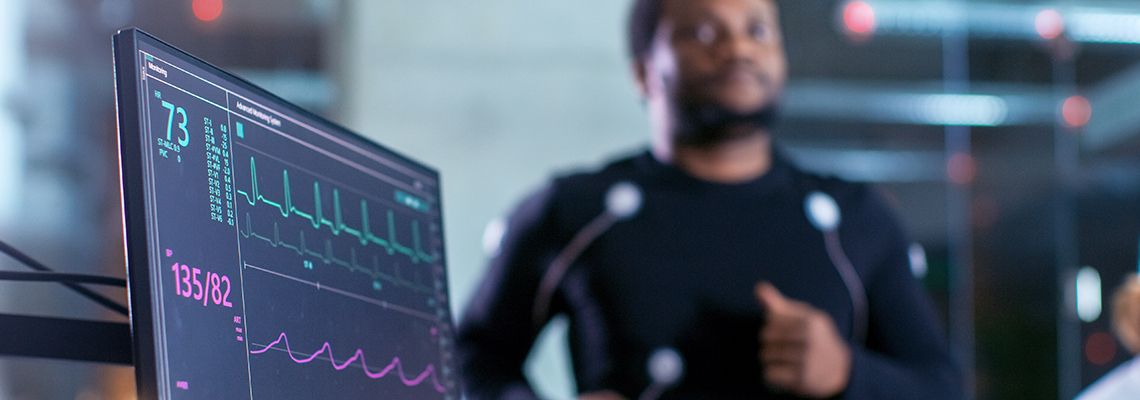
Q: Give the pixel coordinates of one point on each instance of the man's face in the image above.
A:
(725, 55)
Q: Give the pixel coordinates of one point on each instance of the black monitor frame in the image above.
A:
(129, 124)
(134, 205)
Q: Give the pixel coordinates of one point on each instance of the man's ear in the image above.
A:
(641, 75)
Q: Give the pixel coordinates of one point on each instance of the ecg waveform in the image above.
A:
(317, 218)
(329, 257)
(428, 374)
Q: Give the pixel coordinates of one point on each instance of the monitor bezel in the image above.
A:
(134, 203)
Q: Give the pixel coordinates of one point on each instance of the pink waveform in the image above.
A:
(395, 365)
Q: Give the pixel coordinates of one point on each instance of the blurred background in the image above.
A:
(1005, 132)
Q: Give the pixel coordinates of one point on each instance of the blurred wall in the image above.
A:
(497, 94)
(57, 172)
(10, 137)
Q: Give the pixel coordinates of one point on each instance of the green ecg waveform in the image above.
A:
(330, 258)
(317, 218)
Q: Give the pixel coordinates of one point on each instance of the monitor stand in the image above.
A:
(65, 339)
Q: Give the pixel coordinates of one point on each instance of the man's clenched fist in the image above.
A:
(800, 349)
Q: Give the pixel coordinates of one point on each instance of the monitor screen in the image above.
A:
(271, 253)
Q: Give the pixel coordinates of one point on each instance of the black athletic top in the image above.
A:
(681, 273)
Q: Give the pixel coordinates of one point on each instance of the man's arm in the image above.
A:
(906, 355)
(497, 332)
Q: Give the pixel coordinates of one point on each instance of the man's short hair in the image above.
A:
(1126, 314)
(644, 18)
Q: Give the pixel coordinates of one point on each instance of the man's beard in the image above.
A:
(708, 123)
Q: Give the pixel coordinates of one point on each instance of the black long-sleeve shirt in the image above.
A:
(680, 274)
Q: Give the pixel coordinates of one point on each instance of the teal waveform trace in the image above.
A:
(328, 257)
(336, 225)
